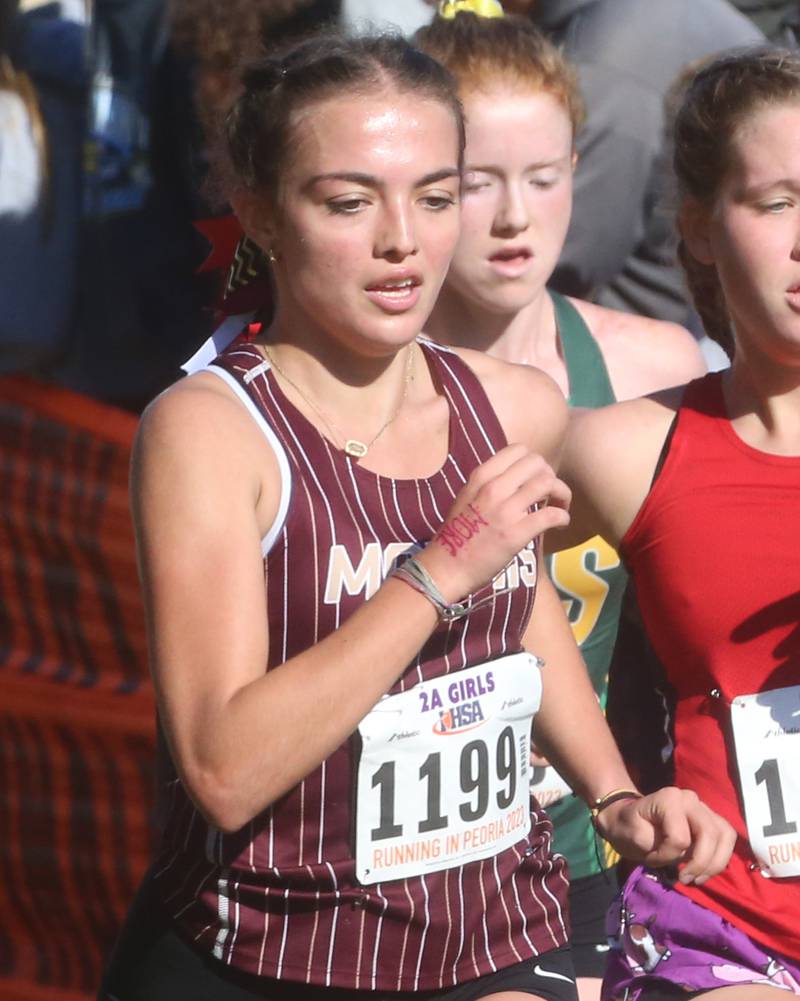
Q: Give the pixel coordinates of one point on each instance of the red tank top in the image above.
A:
(280, 898)
(715, 553)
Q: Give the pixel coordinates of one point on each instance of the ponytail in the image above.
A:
(708, 298)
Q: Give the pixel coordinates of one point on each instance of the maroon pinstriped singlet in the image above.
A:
(280, 897)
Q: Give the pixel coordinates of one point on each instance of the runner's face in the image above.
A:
(754, 235)
(368, 217)
(517, 197)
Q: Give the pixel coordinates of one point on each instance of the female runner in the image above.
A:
(713, 544)
(348, 726)
(523, 109)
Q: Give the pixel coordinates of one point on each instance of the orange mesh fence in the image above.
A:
(76, 706)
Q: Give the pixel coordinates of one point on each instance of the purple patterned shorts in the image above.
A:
(657, 934)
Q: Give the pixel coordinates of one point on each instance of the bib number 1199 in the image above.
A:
(476, 779)
(444, 771)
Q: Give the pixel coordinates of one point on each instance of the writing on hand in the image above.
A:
(454, 534)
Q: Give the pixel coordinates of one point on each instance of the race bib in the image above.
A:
(766, 730)
(547, 785)
(444, 772)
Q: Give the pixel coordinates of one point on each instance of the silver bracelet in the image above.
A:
(415, 574)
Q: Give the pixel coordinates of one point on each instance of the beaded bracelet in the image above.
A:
(415, 574)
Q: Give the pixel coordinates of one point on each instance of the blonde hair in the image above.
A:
(482, 51)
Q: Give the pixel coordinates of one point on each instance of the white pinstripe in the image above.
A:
(284, 935)
(346, 499)
(461, 938)
(449, 925)
(378, 937)
(552, 896)
(485, 926)
(357, 496)
(424, 937)
(285, 644)
(402, 960)
(406, 529)
(360, 948)
(468, 403)
(333, 926)
(501, 894)
(313, 940)
(265, 933)
(523, 918)
(535, 896)
(235, 934)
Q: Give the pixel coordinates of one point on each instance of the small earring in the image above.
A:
(271, 256)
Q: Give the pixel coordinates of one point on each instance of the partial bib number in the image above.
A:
(444, 770)
(766, 729)
(548, 786)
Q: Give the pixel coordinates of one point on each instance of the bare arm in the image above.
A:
(569, 720)
(672, 824)
(669, 356)
(643, 355)
(609, 460)
(204, 488)
(528, 403)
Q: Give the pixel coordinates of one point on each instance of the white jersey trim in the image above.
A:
(225, 334)
(268, 541)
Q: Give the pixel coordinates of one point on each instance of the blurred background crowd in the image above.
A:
(107, 108)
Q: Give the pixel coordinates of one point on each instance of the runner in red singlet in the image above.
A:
(704, 501)
(337, 544)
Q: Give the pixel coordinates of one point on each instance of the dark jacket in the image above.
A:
(620, 250)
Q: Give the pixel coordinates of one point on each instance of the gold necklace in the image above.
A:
(352, 446)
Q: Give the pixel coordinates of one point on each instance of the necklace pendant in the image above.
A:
(356, 449)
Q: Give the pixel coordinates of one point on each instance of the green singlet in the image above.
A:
(591, 582)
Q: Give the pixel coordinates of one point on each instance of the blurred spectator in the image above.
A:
(620, 250)
(161, 71)
(42, 87)
(23, 149)
(77, 754)
(362, 15)
(778, 19)
(217, 38)
(140, 305)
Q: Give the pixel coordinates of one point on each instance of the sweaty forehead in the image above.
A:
(359, 132)
(516, 120)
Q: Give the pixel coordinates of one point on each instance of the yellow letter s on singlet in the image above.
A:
(571, 574)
